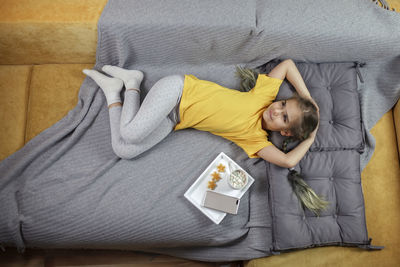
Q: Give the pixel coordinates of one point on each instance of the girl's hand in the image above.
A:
(316, 105)
(314, 133)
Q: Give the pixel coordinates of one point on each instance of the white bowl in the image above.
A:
(237, 179)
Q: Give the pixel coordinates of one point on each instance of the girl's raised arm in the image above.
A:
(289, 160)
(287, 69)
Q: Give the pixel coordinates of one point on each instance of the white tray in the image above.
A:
(195, 193)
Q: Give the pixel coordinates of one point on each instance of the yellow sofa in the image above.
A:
(45, 44)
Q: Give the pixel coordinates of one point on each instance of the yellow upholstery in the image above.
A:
(54, 91)
(396, 114)
(14, 86)
(45, 44)
(49, 31)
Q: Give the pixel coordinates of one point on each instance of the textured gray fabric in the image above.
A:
(334, 87)
(67, 189)
(331, 167)
(211, 39)
(334, 175)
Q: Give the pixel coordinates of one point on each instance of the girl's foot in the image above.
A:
(132, 78)
(110, 86)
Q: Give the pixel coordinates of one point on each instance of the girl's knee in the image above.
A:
(174, 78)
(180, 79)
(129, 136)
(172, 81)
(121, 151)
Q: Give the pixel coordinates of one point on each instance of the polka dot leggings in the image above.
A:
(136, 128)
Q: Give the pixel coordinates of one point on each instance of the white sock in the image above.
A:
(132, 78)
(111, 86)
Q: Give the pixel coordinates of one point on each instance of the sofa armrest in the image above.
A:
(396, 118)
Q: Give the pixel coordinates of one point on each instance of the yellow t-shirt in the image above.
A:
(234, 115)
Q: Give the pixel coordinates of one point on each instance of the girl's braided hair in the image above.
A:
(300, 131)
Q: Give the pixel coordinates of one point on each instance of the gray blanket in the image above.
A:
(209, 39)
(67, 189)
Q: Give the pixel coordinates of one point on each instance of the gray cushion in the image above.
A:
(334, 175)
(334, 88)
(331, 167)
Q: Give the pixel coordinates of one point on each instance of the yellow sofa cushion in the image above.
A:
(14, 86)
(49, 31)
(381, 185)
(53, 92)
(396, 118)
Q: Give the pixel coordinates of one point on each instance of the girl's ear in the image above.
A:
(286, 133)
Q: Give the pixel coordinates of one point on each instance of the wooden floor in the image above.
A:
(103, 258)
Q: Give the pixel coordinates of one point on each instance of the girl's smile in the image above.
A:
(280, 115)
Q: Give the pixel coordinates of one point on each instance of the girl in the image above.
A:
(242, 117)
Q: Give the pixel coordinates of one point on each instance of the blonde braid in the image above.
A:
(248, 78)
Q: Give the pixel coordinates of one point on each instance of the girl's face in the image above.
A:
(280, 115)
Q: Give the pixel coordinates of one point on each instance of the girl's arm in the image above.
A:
(289, 160)
(287, 69)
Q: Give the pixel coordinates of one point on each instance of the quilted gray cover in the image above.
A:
(67, 189)
(331, 167)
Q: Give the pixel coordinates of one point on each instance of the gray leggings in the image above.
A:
(136, 128)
